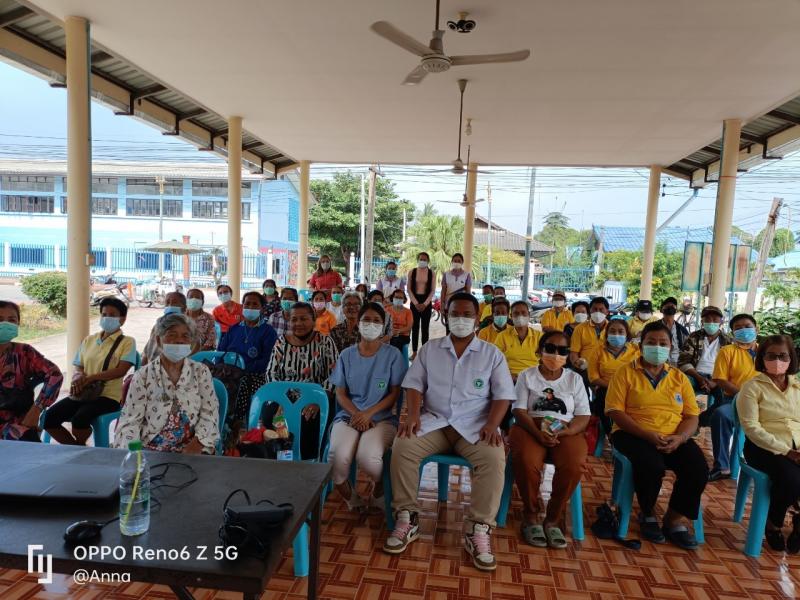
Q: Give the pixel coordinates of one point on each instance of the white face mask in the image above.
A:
(461, 326)
(581, 317)
(456, 266)
(645, 316)
(422, 264)
(559, 303)
(598, 317)
(325, 266)
(176, 352)
(370, 331)
(521, 321)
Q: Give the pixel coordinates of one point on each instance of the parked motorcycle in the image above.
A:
(118, 291)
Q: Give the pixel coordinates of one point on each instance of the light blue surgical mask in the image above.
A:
(173, 310)
(176, 352)
(109, 324)
(251, 314)
(8, 331)
(391, 272)
(711, 328)
(269, 291)
(617, 341)
(397, 302)
(500, 321)
(287, 304)
(655, 355)
(194, 304)
(746, 335)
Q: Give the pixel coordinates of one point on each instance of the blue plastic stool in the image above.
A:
(622, 494)
(310, 393)
(230, 358)
(222, 399)
(761, 494)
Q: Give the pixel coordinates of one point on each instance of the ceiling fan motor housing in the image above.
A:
(436, 63)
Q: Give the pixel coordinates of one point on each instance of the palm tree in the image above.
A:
(440, 236)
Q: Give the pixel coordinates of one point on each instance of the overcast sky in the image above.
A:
(33, 124)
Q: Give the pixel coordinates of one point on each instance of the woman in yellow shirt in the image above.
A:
(655, 414)
(769, 411)
(519, 343)
(500, 309)
(326, 320)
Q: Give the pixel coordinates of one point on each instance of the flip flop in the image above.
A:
(555, 538)
(534, 535)
(681, 536)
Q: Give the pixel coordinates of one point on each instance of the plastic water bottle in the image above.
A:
(134, 492)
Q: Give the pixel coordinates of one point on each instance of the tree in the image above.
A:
(626, 266)
(556, 220)
(335, 219)
(440, 236)
(571, 245)
(784, 287)
(783, 242)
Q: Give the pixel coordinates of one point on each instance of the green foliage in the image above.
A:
(48, 288)
(743, 235)
(440, 236)
(571, 245)
(784, 287)
(784, 321)
(783, 242)
(626, 266)
(335, 219)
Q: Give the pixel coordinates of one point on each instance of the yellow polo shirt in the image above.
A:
(555, 320)
(485, 310)
(770, 417)
(92, 354)
(490, 333)
(636, 325)
(734, 364)
(603, 364)
(519, 355)
(660, 409)
(585, 339)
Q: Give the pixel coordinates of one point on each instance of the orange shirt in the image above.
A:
(402, 318)
(325, 322)
(226, 318)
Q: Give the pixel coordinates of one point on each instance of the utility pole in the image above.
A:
(489, 235)
(361, 233)
(529, 236)
(161, 180)
(370, 235)
(763, 255)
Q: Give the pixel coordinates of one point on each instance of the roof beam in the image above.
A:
(14, 16)
(192, 114)
(148, 91)
(784, 116)
(752, 138)
(100, 56)
(251, 146)
(711, 150)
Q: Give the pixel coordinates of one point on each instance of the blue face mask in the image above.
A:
(287, 304)
(655, 355)
(746, 335)
(711, 328)
(8, 331)
(251, 314)
(109, 324)
(617, 341)
(172, 310)
(500, 321)
(390, 272)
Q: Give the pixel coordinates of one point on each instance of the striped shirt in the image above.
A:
(312, 363)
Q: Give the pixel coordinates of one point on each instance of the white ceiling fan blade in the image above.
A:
(480, 59)
(389, 32)
(416, 76)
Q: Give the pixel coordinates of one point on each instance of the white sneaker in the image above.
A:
(406, 530)
(479, 546)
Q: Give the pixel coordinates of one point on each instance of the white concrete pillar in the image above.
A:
(351, 269)
(235, 205)
(302, 250)
(723, 216)
(469, 215)
(651, 222)
(56, 257)
(269, 264)
(109, 259)
(79, 182)
(7, 255)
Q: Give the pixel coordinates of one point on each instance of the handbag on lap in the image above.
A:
(94, 390)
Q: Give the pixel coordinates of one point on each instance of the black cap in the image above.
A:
(712, 310)
(644, 306)
(669, 300)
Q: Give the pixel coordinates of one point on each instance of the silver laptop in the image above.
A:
(60, 481)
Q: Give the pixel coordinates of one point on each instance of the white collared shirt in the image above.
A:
(708, 356)
(459, 391)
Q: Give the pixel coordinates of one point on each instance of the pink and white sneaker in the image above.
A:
(479, 546)
(406, 530)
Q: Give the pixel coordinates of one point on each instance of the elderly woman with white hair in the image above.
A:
(171, 405)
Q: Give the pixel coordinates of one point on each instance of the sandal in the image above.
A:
(648, 526)
(534, 535)
(555, 538)
(680, 536)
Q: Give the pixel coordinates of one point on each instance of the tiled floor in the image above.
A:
(436, 567)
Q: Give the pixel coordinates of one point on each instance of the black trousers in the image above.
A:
(649, 466)
(598, 407)
(399, 341)
(422, 321)
(80, 414)
(784, 475)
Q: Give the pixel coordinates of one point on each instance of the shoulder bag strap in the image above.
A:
(114, 347)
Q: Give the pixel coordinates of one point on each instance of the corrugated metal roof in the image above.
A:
(41, 31)
(9, 166)
(790, 260)
(632, 238)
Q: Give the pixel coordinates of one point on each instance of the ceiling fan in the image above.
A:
(433, 58)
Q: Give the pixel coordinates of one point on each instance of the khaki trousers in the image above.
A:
(488, 471)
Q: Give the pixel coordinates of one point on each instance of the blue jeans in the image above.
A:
(722, 434)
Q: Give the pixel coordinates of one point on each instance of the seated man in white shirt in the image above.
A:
(457, 392)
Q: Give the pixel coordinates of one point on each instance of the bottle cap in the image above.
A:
(135, 445)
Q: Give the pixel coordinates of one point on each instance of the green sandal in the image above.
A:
(534, 535)
(556, 539)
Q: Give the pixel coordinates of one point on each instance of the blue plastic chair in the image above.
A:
(230, 358)
(405, 353)
(305, 295)
(601, 439)
(761, 494)
(310, 393)
(622, 494)
(222, 398)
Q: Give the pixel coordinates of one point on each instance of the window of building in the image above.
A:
(103, 185)
(217, 188)
(214, 209)
(27, 183)
(147, 186)
(141, 207)
(100, 206)
(27, 204)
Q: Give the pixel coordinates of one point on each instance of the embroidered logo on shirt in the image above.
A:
(381, 384)
(678, 398)
(478, 383)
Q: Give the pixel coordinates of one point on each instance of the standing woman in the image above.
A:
(303, 356)
(324, 278)
(325, 319)
(204, 322)
(391, 281)
(229, 312)
(455, 280)
(768, 406)
(22, 368)
(367, 379)
(272, 301)
(421, 287)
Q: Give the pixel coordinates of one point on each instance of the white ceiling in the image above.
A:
(609, 82)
